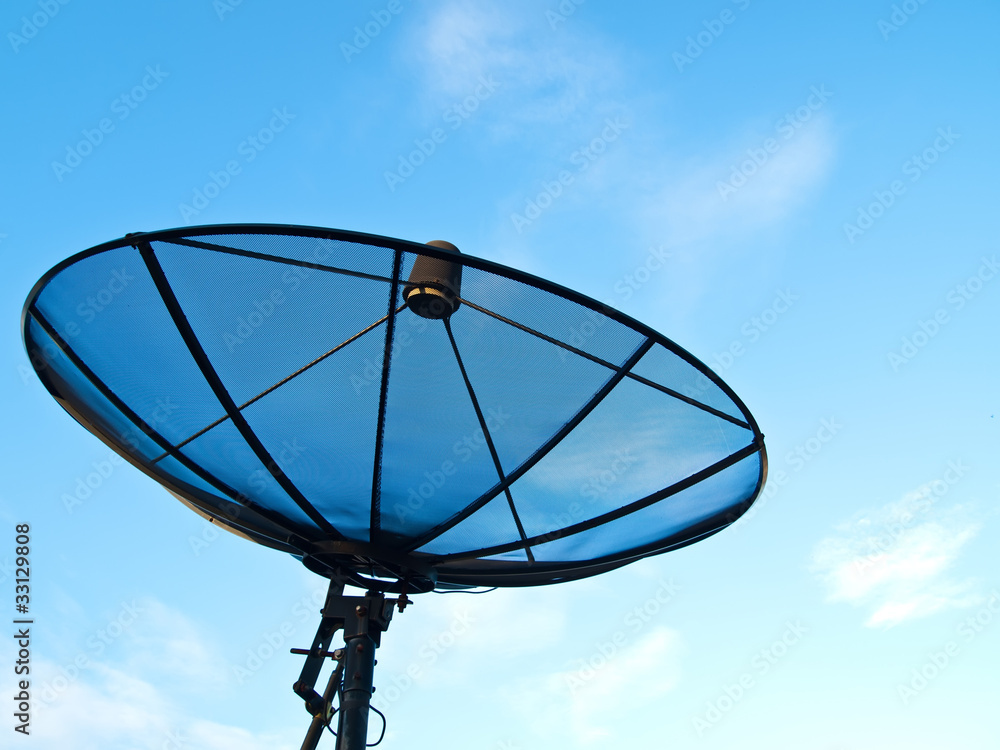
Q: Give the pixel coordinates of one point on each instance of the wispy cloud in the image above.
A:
(554, 74)
(175, 640)
(118, 694)
(897, 560)
(691, 207)
(557, 89)
(109, 709)
(634, 676)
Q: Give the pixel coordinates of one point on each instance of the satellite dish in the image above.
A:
(401, 417)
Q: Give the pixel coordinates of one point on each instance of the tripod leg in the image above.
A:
(319, 706)
(321, 720)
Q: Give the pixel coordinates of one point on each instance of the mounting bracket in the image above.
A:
(363, 620)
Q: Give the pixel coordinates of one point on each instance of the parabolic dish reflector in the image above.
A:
(304, 388)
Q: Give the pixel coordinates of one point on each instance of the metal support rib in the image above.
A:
(222, 393)
(375, 525)
(538, 455)
(614, 515)
(489, 438)
(274, 258)
(281, 382)
(126, 411)
(586, 355)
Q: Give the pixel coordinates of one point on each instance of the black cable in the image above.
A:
(380, 737)
(336, 694)
(384, 724)
(466, 591)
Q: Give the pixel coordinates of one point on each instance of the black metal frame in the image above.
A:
(363, 619)
(324, 549)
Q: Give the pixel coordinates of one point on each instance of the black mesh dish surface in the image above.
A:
(280, 381)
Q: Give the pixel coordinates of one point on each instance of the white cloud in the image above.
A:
(683, 209)
(897, 560)
(599, 688)
(105, 708)
(171, 642)
(123, 690)
(693, 208)
(552, 74)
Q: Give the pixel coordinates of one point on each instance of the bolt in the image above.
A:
(360, 611)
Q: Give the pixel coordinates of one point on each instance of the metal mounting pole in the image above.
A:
(359, 668)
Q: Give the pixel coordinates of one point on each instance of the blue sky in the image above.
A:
(798, 195)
